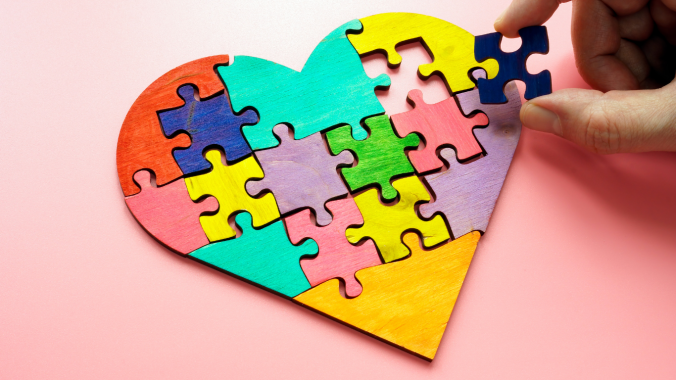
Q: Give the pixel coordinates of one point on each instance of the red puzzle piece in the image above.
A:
(337, 257)
(440, 124)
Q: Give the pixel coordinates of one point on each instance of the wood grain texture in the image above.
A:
(380, 157)
(451, 47)
(141, 144)
(301, 173)
(209, 123)
(226, 183)
(168, 213)
(513, 65)
(337, 257)
(466, 193)
(441, 124)
(385, 224)
(407, 303)
(265, 257)
(331, 89)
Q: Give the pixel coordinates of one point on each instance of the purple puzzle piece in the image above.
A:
(301, 173)
(466, 193)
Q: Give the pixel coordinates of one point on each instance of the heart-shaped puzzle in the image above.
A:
(325, 188)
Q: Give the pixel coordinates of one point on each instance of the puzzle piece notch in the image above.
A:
(226, 183)
(337, 257)
(440, 124)
(301, 173)
(380, 157)
(332, 89)
(385, 224)
(513, 65)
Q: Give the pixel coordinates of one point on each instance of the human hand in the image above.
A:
(624, 49)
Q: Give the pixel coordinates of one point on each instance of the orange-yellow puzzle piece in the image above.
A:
(226, 183)
(451, 47)
(407, 303)
(385, 224)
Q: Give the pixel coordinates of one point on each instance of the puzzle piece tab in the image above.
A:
(301, 173)
(331, 89)
(385, 224)
(337, 257)
(440, 124)
(380, 157)
(265, 257)
(209, 123)
(226, 183)
(513, 65)
(451, 47)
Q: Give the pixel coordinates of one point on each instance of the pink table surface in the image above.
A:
(575, 278)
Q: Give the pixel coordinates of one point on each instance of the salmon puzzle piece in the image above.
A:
(141, 144)
(337, 257)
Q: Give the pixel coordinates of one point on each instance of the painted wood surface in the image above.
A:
(513, 65)
(168, 213)
(141, 144)
(385, 224)
(331, 89)
(226, 183)
(466, 193)
(451, 47)
(337, 257)
(441, 124)
(380, 157)
(209, 123)
(301, 173)
(407, 303)
(265, 257)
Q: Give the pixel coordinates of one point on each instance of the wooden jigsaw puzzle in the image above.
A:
(367, 218)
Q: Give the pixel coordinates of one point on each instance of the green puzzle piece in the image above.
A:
(380, 157)
(263, 256)
(331, 89)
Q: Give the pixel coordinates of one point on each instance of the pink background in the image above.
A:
(575, 278)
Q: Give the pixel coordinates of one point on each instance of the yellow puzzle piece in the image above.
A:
(226, 183)
(385, 224)
(407, 303)
(451, 47)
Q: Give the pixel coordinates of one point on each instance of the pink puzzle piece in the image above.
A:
(168, 213)
(440, 124)
(337, 258)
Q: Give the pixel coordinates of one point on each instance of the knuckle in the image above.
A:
(602, 134)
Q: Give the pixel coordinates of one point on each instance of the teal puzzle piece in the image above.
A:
(332, 89)
(265, 257)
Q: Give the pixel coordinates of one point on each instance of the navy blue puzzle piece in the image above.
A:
(513, 65)
(209, 123)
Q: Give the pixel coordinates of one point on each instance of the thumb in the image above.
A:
(611, 122)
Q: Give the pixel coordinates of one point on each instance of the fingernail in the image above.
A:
(541, 119)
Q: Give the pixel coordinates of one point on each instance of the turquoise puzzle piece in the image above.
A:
(332, 89)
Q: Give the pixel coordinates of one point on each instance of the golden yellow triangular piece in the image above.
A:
(406, 303)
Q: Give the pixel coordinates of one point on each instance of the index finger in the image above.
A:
(523, 13)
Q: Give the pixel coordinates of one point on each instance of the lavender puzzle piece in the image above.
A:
(301, 173)
(466, 193)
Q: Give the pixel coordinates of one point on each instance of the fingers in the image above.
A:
(636, 26)
(614, 122)
(522, 13)
(665, 19)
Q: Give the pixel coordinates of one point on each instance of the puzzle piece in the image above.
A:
(301, 173)
(466, 193)
(440, 124)
(380, 157)
(337, 258)
(451, 47)
(407, 303)
(141, 144)
(209, 123)
(513, 65)
(250, 257)
(386, 223)
(168, 213)
(226, 183)
(331, 89)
